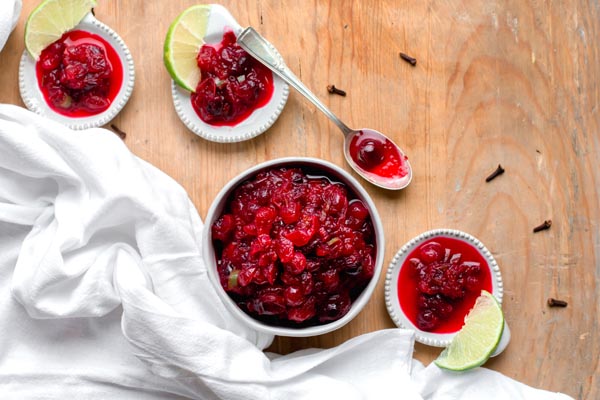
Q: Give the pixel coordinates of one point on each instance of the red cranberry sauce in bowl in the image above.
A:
(295, 247)
(434, 280)
(439, 283)
(232, 84)
(80, 74)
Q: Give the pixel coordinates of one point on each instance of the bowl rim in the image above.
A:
(392, 300)
(208, 251)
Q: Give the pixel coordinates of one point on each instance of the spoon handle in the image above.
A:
(263, 51)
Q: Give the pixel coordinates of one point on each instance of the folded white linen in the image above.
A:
(110, 296)
(434, 383)
(9, 15)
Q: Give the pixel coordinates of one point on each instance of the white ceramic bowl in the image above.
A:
(392, 299)
(258, 122)
(34, 99)
(337, 174)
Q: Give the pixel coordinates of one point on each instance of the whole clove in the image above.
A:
(333, 90)
(556, 303)
(496, 173)
(543, 226)
(411, 60)
(118, 131)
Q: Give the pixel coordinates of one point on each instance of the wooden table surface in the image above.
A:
(509, 82)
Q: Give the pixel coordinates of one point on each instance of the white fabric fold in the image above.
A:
(9, 15)
(110, 297)
(479, 383)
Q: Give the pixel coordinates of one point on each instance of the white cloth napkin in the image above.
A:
(104, 294)
(9, 15)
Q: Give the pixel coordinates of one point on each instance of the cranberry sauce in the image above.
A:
(293, 248)
(232, 84)
(439, 283)
(377, 156)
(80, 74)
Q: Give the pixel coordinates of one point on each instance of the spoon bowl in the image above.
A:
(370, 153)
(377, 159)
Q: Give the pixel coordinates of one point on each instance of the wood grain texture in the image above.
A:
(512, 82)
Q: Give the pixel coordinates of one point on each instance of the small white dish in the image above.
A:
(392, 300)
(257, 123)
(34, 99)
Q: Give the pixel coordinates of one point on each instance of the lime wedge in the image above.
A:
(478, 338)
(47, 23)
(184, 40)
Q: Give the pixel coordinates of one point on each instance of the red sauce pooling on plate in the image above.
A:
(80, 74)
(439, 283)
(232, 84)
(377, 156)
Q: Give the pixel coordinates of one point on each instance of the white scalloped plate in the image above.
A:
(258, 122)
(392, 301)
(34, 99)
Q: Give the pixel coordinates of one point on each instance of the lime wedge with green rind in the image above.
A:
(476, 341)
(47, 23)
(182, 44)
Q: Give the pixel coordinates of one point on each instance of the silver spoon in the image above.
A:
(369, 146)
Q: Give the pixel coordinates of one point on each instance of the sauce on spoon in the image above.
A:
(378, 155)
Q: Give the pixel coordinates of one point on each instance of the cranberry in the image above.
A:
(264, 218)
(285, 249)
(332, 248)
(370, 154)
(246, 90)
(290, 212)
(94, 102)
(294, 295)
(297, 264)
(245, 276)
(270, 301)
(51, 58)
(334, 307)
(431, 252)
(223, 227)
(209, 103)
(427, 320)
(358, 210)
(73, 75)
(266, 275)
(262, 243)
(437, 304)
(304, 230)
(330, 279)
(285, 252)
(60, 98)
(303, 312)
(233, 84)
(207, 58)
